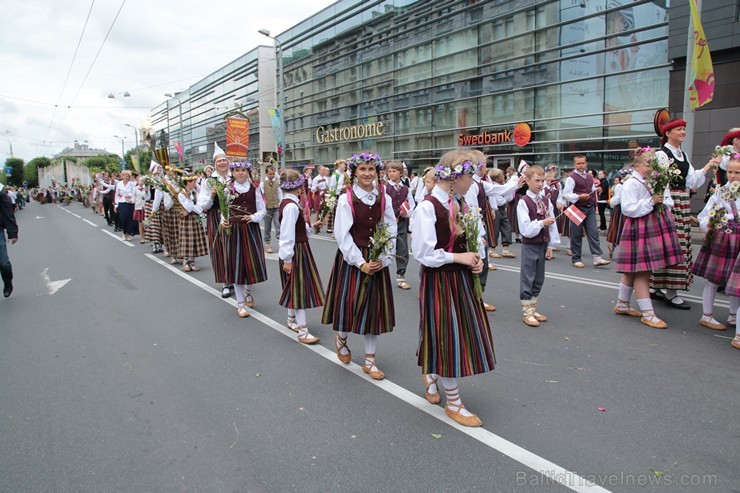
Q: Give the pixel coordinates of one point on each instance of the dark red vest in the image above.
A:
(398, 197)
(534, 214)
(365, 217)
(583, 185)
(243, 203)
(442, 228)
(300, 225)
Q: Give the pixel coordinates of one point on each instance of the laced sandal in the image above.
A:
(540, 317)
(166, 254)
(711, 323)
(193, 267)
(651, 320)
(454, 411)
(186, 266)
(732, 320)
(623, 308)
(372, 369)
(248, 298)
(341, 343)
(489, 308)
(528, 317)
(735, 342)
(173, 261)
(291, 324)
(435, 398)
(241, 310)
(307, 339)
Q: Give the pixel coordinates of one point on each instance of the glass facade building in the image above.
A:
(413, 79)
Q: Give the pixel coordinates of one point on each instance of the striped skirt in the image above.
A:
(302, 288)
(356, 305)
(717, 256)
(678, 276)
(218, 244)
(139, 215)
(152, 228)
(454, 335)
(616, 225)
(192, 238)
(245, 254)
(733, 283)
(170, 223)
(649, 243)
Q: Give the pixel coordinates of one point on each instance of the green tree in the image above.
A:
(31, 170)
(107, 162)
(145, 156)
(16, 173)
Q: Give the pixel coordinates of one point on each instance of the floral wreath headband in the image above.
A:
(174, 170)
(366, 158)
(735, 157)
(443, 172)
(292, 185)
(241, 164)
(642, 150)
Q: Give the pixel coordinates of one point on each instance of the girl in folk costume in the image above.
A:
(616, 219)
(454, 336)
(299, 276)
(665, 282)
(152, 213)
(732, 289)
(729, 147)
(245, 262)
(716, 259)
(140, 198)
(192, 239)
(208, 199)
(171, 216)
(337, 182)
(359, 298)
(649, 241)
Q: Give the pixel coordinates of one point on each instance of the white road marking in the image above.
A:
(53, 286)
(548, 469)
(117, 238)
(39, 217)
(77, 216)
(91, 223)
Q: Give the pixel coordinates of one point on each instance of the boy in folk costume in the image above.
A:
(270, 187)
(403, 204)
(539, 237)
(192, 239)
(359, 297)
(721, 246)
(245, 262)
(299, 276)
(208, 200)
(454, 335)
(581, 190)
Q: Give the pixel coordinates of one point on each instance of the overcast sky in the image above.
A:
(154, 47)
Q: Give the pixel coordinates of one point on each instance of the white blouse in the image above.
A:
(187, 202)
(291, 212)
(616, 195)
(125, 192)
(637, 200)
(204, 194)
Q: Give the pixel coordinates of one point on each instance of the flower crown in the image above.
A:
(241, 164)
(444, 172)
(735, 156)
(292, 185)
(365, 157)
(642, 150)
(188, 178)
(174, 170)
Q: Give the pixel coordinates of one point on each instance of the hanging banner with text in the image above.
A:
(237, 136)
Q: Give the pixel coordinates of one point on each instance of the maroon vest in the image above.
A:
(583, 185)
(365, 217)
(398, 197)
(442, 228)
(244, 203)
(300, 225)
(534, 214)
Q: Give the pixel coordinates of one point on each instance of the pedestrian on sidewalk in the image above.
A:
(7, 223)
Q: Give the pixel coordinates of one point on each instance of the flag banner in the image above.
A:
(574, 214)
(274, 115)
(135, 161)
(701, 90)
(237, 136)
(180, 154)
(405, 208)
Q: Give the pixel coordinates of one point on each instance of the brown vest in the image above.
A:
(300, 225)
(583, 185)
(244, 203)
(271, 193)
(365, 217)
(544, 235)
(398, 197)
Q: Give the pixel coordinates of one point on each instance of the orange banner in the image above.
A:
(237, 136)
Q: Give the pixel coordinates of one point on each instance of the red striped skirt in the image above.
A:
(649, 243)
(138, 215)
(356, 302)
(217, 245)
(245, 259)
(678, 276)
(302, 288)
(717, 255)
(616, 225)
(733, 283)
(454, 335)
(192, 238)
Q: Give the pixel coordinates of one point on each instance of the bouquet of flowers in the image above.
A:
(720, 151)
(717, 217)
(225, 198)
(469, 220)
(149, 181)
(662, 176)
(381, 243)
(330, 203)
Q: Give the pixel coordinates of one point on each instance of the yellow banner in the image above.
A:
(135, 161)
(701, 90)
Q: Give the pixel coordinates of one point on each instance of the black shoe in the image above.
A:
(657, 295)
(681, 305)
(8, 288)
(225, 292)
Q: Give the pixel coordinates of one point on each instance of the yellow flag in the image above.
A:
(701, 90)
(135, 161)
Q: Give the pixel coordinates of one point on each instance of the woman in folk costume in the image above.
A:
(299, 276)
(616, 219)
(208, 199)
(665, 282)
(152, 212)
(170, 220)
(359, 297)
(454, 335)
(721, 247)
(245, 260)
(649, 241)
(729, 147)
(192, 239)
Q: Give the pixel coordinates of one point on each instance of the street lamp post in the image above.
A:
(136, 138)
(279, 54)
(179, 107)
(123, 158)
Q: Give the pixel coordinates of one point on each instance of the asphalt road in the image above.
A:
(134, 376)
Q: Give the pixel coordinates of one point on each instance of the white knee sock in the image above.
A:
(670, 293)
(291, 312)
(239, 292)
(370, 344)
(625, 293)
(453, 396)
(344, 349)
(433, 389)
(646, 307)
(707, 297)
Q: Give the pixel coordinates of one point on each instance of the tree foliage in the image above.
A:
(16, 174)
(145, 156)
(106, 162)
(31, 170)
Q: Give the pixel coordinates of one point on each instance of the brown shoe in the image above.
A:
(489, 308)
(493, 254)
(654, 322)
(711, 325)
(492, 267)
(540, 317)
(470, 421)
(432, 398)
(735, 342)
(402, 283)
(308, 339)
(268, 249)
(340, 343)
(627, 311)
(241, 310)
(528, 314)
(375, 374)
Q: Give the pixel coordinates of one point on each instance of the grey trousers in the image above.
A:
(532, 274)
(592, 233)
(272, 217)
(503, 226)
(402, 247)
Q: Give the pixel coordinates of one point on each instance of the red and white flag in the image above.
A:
(405, 208)
(575, 215)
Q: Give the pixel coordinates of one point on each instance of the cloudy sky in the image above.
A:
(154, 47)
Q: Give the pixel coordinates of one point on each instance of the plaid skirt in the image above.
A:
(733, 283)
(356, 302)
(616, 225)
(302, 288)
(717, 256)
(678, 276)
(170, 223)
(454, 334)
(152, 231)
(192, 237)
(648, 243)
(245, 254)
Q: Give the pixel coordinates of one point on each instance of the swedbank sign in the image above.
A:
(325, 136)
